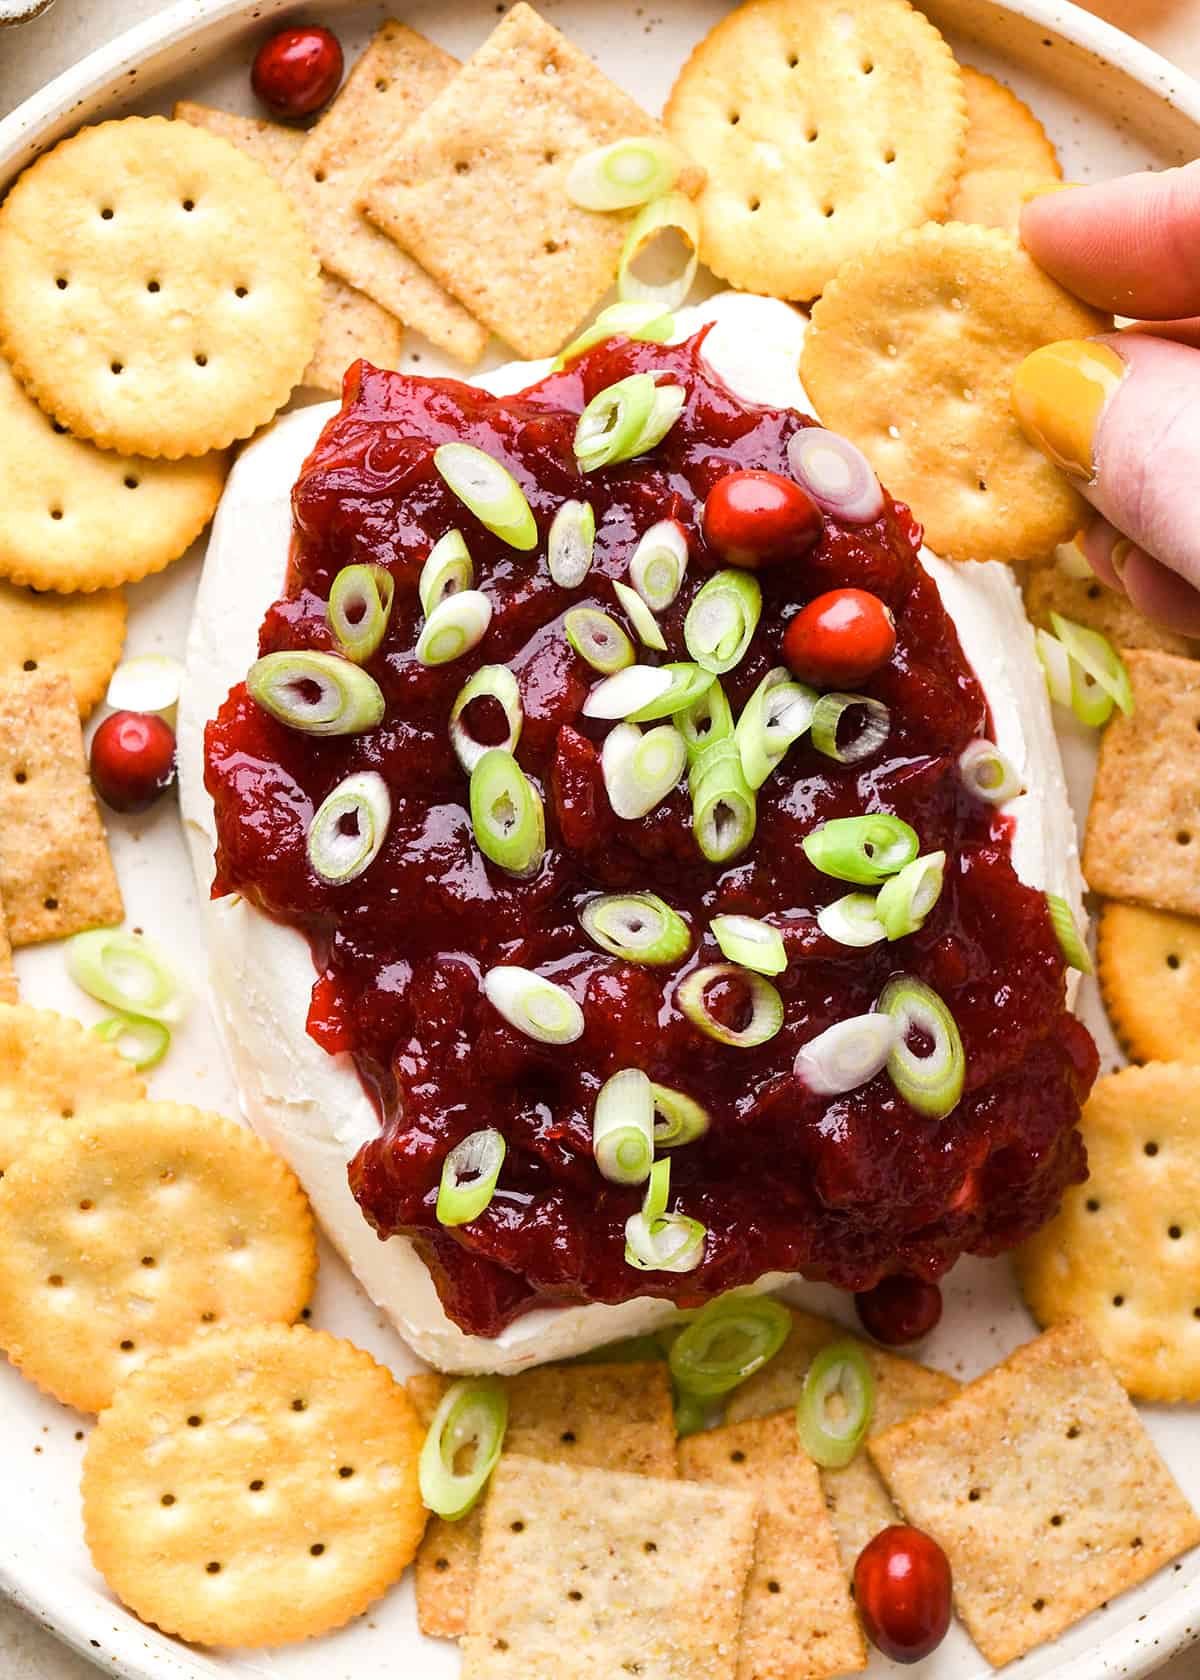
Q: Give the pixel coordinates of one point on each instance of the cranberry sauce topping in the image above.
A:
(847, 1189)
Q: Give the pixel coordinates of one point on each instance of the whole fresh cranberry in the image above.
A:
(902, 1590)
(297, 71)
(900, 1310)
(756, 519)
(132, 760)
(840, 639)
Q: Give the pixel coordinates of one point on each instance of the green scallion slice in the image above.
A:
(727, 1342)
(626, 419)
(852, 921)
(988, 774)
(758, 995)
(836, 1405)
(535, 1006)
(865, 850)
(637, 927)
(827, 716)
(487, 488)
(623, 1127)
(490, 682)
(645, 625)
(624, 174)
(360, 604)
(447, 571)
(571, 543)
(672, 212)
(658, 1241)
(142, 1042)
(469, 1176)
(750, 942)
(125, 971)
(350, 826)
(722, 619)
(688, 684)
(471, 1420)
(724, 807)
(929, 1079)
(628, 692)
(316, 693)
(775, 716)
(659, 564)
(507, 814)
(1095, 655)
(599, 639)
(691, 1416)
(707, 720)
(648, 322)
(456, 625)
(641, 770)
(904, 901)
(1070, 943)
(678, 1118)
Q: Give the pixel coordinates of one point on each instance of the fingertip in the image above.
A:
(1161, 594)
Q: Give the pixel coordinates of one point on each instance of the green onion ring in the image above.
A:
(637, 927)
(753, 944)
(360, 604)
(852, 921)
(644, 623)
(726, 1343)
(678, 1118)
(623, 1128)
(125, 971)
(1096, 655)
(142, 1042)
(707, 720)
(149, 682)
(641, 770)
(507, 814)
(447, 571)
(599, 639)
(904, 901)
(348, 701)
(456, 625)
(846, 1055)
(659, 564)
(658, 1241)
(718, 756)
(338, 852)
(987, 773)
(775, 716)
(1056, 666)
(533, 1005)
(647, 322)
(487, 488)
(672, 210)
(931, 1083)
(722, 619)
(688, 683)
(865, 850)
(490, 682)
(571, 543)
(628, 692)
(472, 1414)
(469, 1175)
(1070, 942)
(766, 1005)
(832, 1439)
(626, 419)
(624, 174)
(724, 808)
(827, 716)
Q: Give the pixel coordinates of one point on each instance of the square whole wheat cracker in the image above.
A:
(56, 877)
(857, 1500)
(477, 187)
(1087, 601)
(394, 80)
(1143, 829)
(352, 324)
(798, 1619)
(585, 1573)
(615, 1417)
(1044, 1490)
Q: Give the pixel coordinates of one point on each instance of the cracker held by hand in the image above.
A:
(1121, 1255)
(1148, 966)
(590, 1572)
(1043, 1488)
(158, 293)
(476, 189)
(256, 1487)
(824, 126)
(1087, 601)
(1008, 153)
(911, 354)
(52, 1069)
(79, 637)
(128, 1229)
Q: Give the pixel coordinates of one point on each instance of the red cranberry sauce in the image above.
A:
(847, 1189)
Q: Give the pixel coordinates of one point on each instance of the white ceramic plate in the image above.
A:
(1110, 105)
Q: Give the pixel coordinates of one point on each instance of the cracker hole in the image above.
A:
(29, 665)
(126, 1346)
(1118, 1300)
(257, 1485)
(208, 1318)
(1093, 592)
(462, 168)
(299, 1405)
(21, 778)
(974, 1496)
(575, 1596)
(195, 1421)
(345, 1471)
(1172, 960)
(153, 286)
(1136, 1542)
(61, 283)
(1174, 1232)
(737, 1456)
(148, 1260)
(189, 204)
(56, 513)
(755, 204)
(1056, 1520)
(241, 291)
(319, 177)
(1184, 837)
(116, 367)
(57, 426)
(499, 1644)
(1073, 1432)
(867, 67)
(167, 1499)
(1039, 1604)
(131, 483)
(981, 486)
(649, 1546)
(1092, 1205)
(106, 214)
(793, 61)
(550, 246)
(441, 1565)
(213, 1568)
(50, 903)
(86, 1205)
(828, 211)
(773, 1586)
(812, 134)
(382, 85)
(55, 1280)
(890, 155)
(735, 118)
(517, 1527)
(1151, 1148)
(549, 157)
(317, 1550)
(567, 1437)
(200, 359)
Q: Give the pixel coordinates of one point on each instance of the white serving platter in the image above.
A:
(1110, 106)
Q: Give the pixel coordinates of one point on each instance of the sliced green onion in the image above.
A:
(658, 1190)
(447, 571)
(1075, 952)
(599, 639)
(753, 944)
(641, 770)
(672, 210)
(865, 850)
(1096, 655)
(678, 1118)
(776, 714)
(490, 682)
(626, 419)
(765, 1004)
(907, 898)
(624, 174)
(987, 773)
(836, 1405)
(658, 1241)
(688, 684)
(722, 620)
(706, 721)
(487, 488)
(1056, 666)
(718, 757)
(627, 691)
(644, 623)
(659, 564)
(929, 1081)
(533, 1005)
(724, 807)
(125, 971)
(646, 321)
(570, 545)
(507, 813)
(637, 927)
(360, 604)
(852, 920)
(143, 1043)
(469, 1175)
(473, 1415)
(727, 1342)
(691, 1416)
(150, 682)
(347, 700)
(827, 716)
(846, 1055)
(456, 625)
(349, 828)
(623, 1127)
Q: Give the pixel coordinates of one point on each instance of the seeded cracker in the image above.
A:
(798, 1618)
(52, 1069)
(1122, 1254)
(1148, 966)
(352, 324)
(1008, 154)
(598, 1417)
(256, 1487)
(911, 354)
(77, 636)
(56, 876)
(476, 188)
(158, 293)
(396, 78)
(857, 1500)
(1086, 600)
(1047, 1435)
(824, 125)
(589, 1572)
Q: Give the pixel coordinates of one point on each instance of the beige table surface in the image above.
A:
(29, 56)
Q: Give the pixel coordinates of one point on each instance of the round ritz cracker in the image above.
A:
(1123, 1254)
(256, 1487)
(911, 354)
(52, 1069)
(74, 517)
(158, 292)
(1008, 154)
(1148, 966)
(127, 1229)
(79, 637)
(824, 125)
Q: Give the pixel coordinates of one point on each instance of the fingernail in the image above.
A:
(1059, 394)
(1049, 187)
(1120, 554)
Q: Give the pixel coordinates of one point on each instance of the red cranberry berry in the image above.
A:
(132, 760)
(297, 71)
(900, 1310)
(902, 1590)
(840, 639)
(756, 519)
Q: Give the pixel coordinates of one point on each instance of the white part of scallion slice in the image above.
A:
(599, 639)
(851, 920)
(930, 1080)
(125, 971)
(624, 174)
(641, 770)
(644, 623)
(571, 544)
(350, 827)
(659, 564)
(623, 1127)
(447, 571)
(456, 625)
(1095, 655)
(142, 1042)
(486, 487)
(688, 684)
(722, 619)
(678, 1118)
(846, 1055)
(469, 1175)
(507, 814)
(775, 716)
(673, 212)
(149, 682)
(534, 1005)
(904, 901)
(471, 1418)
(765, 1003)
(750, 942)
(987, 773)
(360, 604)
(490, 682)
(636, 927)
(648, 322)
(347, 701)
(658, 1241)
(627, 691)
(1070, 942)
(1056, 666)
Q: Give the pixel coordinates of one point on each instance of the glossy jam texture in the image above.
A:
(847, 1189)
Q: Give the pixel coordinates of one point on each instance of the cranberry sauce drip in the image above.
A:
(847, 1189)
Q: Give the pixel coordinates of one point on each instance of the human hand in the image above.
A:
(1121, 413)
